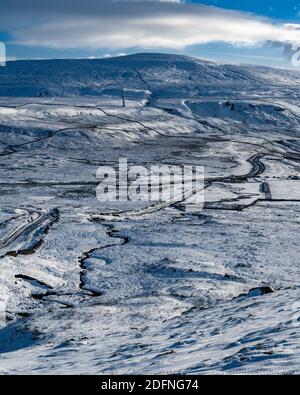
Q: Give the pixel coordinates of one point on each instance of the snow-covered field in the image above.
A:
(89, 287)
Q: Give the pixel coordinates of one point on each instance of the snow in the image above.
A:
(131, 287)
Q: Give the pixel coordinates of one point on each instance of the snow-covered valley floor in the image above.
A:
(88, 287)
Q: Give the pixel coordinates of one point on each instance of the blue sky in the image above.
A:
(247, 31)
(281, 9)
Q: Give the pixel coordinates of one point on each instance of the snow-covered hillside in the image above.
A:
(136, 287)
(163, 75)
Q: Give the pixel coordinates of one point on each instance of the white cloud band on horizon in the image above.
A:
(149, 24)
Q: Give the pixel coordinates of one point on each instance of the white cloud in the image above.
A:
(113, 24)
(292, 26)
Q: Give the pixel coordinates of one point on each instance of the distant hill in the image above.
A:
(162, 75)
